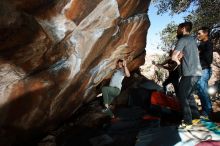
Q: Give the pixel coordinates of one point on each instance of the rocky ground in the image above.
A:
(94, 128)
(90, 127)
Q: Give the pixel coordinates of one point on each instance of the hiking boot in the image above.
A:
(105, 110)
(108, 112)
(204, 117)
(185, 126)
(196, 121)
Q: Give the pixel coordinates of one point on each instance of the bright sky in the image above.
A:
(158, 23)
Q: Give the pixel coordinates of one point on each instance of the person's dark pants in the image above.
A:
(193, 106)
(173, 79)
(109, 93)
(185, 89)
(202, 87)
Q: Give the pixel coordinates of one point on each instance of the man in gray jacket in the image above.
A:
(190, 70)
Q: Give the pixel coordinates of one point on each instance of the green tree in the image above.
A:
(179, 6)
(172, 6)
(202, 13)
(205, 14)
(168, 36)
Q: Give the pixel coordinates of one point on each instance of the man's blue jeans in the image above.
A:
(202, 87)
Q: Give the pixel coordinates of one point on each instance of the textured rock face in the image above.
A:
(54, 53)
(153, 72)
(149, 70)
(215, 68)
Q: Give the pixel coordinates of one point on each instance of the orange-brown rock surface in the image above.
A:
(215, 68)
(54, 53)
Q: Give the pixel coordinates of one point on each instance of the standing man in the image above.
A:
(114, 88)
(190, 69)
(206, 56)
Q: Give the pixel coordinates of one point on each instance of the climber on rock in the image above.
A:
(114, 88)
